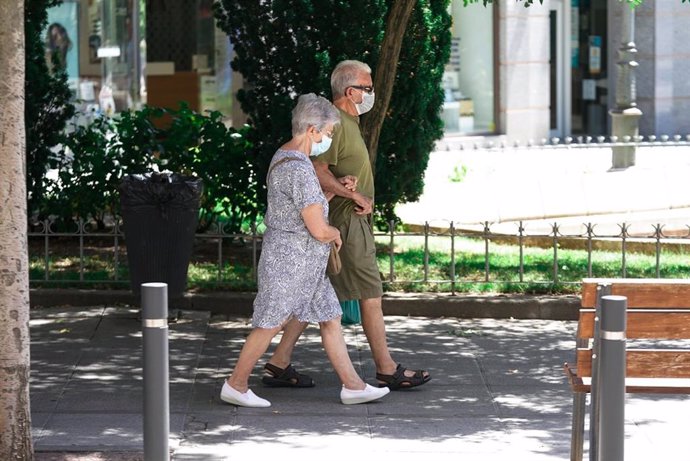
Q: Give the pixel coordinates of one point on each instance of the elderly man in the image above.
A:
(350, 211)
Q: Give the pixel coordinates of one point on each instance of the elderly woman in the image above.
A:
(292, 267)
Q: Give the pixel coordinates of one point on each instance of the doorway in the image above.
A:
(589, 69)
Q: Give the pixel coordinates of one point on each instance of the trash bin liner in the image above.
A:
(160, 212)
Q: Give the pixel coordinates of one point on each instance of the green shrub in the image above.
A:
(94, 159)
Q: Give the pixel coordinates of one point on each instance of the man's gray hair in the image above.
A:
(313, 110)
(346, 74)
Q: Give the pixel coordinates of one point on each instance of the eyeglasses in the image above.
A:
(326, 133)
(367, 89)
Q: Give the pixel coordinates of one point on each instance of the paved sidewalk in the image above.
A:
(540, 186)
(498, 392)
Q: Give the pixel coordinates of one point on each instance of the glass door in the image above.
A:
(120, 54)
(589, 69)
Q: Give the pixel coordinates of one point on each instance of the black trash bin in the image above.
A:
(160, 212)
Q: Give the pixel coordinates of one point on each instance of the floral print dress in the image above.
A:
(292, 267)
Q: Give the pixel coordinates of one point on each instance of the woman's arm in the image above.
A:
(317, 225)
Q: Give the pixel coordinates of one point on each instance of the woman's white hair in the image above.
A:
(313, 110)
(346, 74)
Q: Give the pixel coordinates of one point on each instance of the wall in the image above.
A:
(523, 55)
(663, 87)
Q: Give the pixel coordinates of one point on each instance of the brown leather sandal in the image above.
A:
(287, 377)
(398, 380)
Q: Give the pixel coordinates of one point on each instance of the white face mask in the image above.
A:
(321, 147)
(367, 102)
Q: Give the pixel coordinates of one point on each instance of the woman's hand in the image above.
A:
(349, 181)
(338, 241)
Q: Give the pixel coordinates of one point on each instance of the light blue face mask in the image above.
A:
(320, 148)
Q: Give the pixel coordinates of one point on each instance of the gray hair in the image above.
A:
(313, 110)
(346, 74)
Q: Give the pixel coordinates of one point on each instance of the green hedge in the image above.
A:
(93, 159)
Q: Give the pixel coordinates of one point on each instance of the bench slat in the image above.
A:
(643, 363)
(641, 293)
(632, 385)
(645, 324)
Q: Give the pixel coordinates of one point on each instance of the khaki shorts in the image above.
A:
(359, 277)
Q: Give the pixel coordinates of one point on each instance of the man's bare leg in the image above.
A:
(375, 330)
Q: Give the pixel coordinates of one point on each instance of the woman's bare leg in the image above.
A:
(254, 347)
(336, 350)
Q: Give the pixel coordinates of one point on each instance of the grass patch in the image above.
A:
(471, 270)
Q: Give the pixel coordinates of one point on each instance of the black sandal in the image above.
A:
(287, 377)
(398, 380)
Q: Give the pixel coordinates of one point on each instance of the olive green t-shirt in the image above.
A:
(348, 155)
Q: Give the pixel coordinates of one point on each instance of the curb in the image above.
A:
(499, 306)
(87, 456)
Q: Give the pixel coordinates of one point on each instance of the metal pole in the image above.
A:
(602, 290)
(612, 378)
(154, 306)
(625, 117)
(135, 89)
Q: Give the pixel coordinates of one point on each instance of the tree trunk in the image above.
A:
(15, 416)
(384, 75)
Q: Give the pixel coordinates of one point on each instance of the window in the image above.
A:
(469, 75)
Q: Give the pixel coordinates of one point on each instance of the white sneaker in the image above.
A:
(369, 393)
(248, 399)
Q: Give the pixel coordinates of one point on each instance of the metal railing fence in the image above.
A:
(567, 142)
(73, 257)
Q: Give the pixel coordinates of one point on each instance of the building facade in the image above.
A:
(121, 54)
(550, 70)
(524, 73)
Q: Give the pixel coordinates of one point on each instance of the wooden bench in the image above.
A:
(658, 311)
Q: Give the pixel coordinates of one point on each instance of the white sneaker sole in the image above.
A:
(368, 394)
(247, 399)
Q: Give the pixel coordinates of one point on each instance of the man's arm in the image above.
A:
(330, 184)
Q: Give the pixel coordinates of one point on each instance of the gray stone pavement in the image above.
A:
(498, 392)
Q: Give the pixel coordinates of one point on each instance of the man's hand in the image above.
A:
(363, 205)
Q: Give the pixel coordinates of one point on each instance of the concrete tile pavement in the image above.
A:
(571, 185)
(498, 392)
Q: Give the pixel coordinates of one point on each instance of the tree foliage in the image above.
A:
(48, 106)
(412, 124)
(286, 48)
